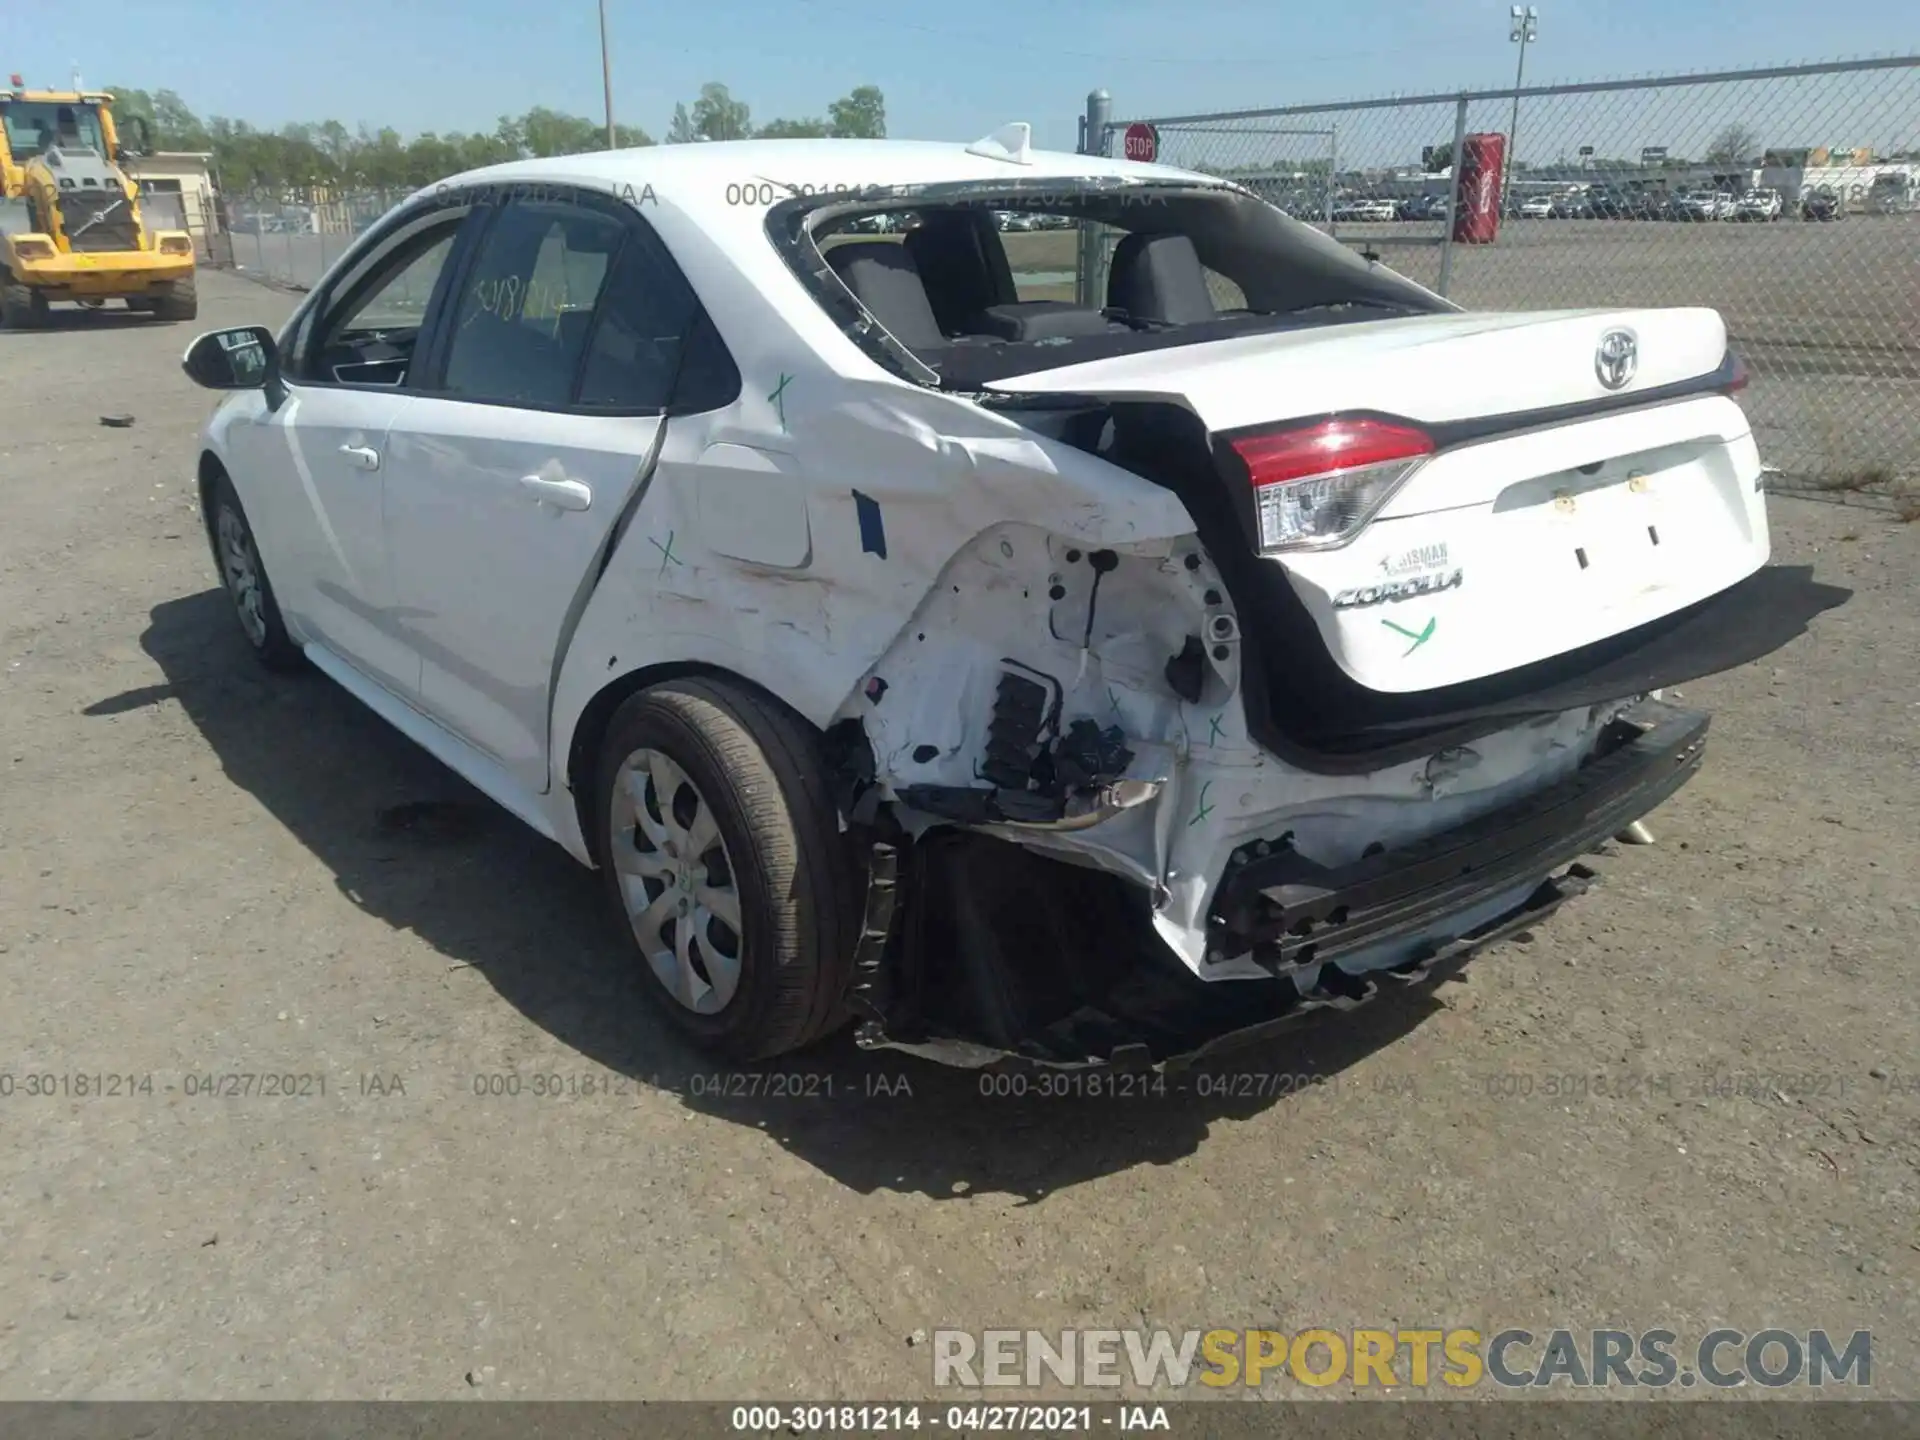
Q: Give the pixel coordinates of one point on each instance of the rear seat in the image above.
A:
(884, 278)
(949, 283)
(1159, 279)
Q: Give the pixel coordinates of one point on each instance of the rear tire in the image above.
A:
(736, 889)
(244, 577)
(21, 306)
(176, 300)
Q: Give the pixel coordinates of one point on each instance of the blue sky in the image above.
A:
(949, 72)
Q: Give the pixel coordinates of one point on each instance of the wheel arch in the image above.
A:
(209, 471)
(590, 729)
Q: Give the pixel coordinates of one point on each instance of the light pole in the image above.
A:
(1526, 27)
(606, 75)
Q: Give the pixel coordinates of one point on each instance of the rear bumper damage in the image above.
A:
(977, 954)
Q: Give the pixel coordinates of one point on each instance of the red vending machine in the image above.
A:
(1476, 219)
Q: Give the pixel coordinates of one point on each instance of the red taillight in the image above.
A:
(1738, 380)
(1320, 484)
(1329, 446)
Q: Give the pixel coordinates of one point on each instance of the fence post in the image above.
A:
(1453, 193)
(1089, 285)
(1333, 172)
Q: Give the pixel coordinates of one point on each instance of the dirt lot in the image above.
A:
(206, 873)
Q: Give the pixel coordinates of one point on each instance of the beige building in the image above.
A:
(176, 191)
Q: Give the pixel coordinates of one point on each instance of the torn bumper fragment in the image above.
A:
(1297, 913)
(996, 958)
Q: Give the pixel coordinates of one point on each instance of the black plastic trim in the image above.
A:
(1298, 912)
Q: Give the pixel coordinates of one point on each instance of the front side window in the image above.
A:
(367, 335)
(525, 311)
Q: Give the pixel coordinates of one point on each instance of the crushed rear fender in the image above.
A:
(981, 955)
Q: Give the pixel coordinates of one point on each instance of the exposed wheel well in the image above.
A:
(210, 469)
(583, 750)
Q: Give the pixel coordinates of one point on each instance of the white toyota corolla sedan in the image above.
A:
(912, 637)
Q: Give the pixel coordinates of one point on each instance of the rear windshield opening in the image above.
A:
(984, 286)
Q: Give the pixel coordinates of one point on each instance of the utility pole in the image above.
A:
(606, 75)
(1526, 28)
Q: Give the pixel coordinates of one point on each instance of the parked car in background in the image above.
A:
(1573, 205)
(1822, 203)
(1759, 204)
(1613, 202)
(1364, 207)
(1892, 193)
(1703, 205)
(1023, 680)
(1537, 207)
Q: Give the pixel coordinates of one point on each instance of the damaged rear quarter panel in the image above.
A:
(932, 473)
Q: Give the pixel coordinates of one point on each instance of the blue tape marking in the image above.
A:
(873, 530)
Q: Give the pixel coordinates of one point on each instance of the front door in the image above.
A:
(504, 484)
(326, 443)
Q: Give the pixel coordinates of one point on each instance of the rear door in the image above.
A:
(550, 390)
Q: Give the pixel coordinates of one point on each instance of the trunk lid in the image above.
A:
(1434, 368)
(1553, 514)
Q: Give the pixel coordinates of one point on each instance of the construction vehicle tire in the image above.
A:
(21, 306)
(176, 300)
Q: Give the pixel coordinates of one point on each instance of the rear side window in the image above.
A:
(639, 337)
(525, 312)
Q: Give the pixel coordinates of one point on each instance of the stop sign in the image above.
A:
(1142, 142)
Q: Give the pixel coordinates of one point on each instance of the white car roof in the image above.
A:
(694, 198)
(695, 179)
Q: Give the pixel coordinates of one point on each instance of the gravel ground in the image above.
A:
(205, 872)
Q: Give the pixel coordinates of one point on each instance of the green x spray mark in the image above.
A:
(1420, 638)
(667, 556)
(1213, 731)
(1204, 809)
(778, 399)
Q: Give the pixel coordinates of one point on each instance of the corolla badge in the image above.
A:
(1617, 358)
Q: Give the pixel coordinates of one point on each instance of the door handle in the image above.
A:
(362, 457)
(561, 494)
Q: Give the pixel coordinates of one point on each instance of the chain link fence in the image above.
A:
(1787, 199)
(290, 237)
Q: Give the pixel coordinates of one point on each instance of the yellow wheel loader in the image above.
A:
(70, 218)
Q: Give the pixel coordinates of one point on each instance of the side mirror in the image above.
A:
(244, 358)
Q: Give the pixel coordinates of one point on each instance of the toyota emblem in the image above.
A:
(1617, 358)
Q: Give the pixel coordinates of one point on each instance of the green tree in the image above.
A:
(680, 130)
(793, 130)
(861, 115)
(548, 132)
(718, 116)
